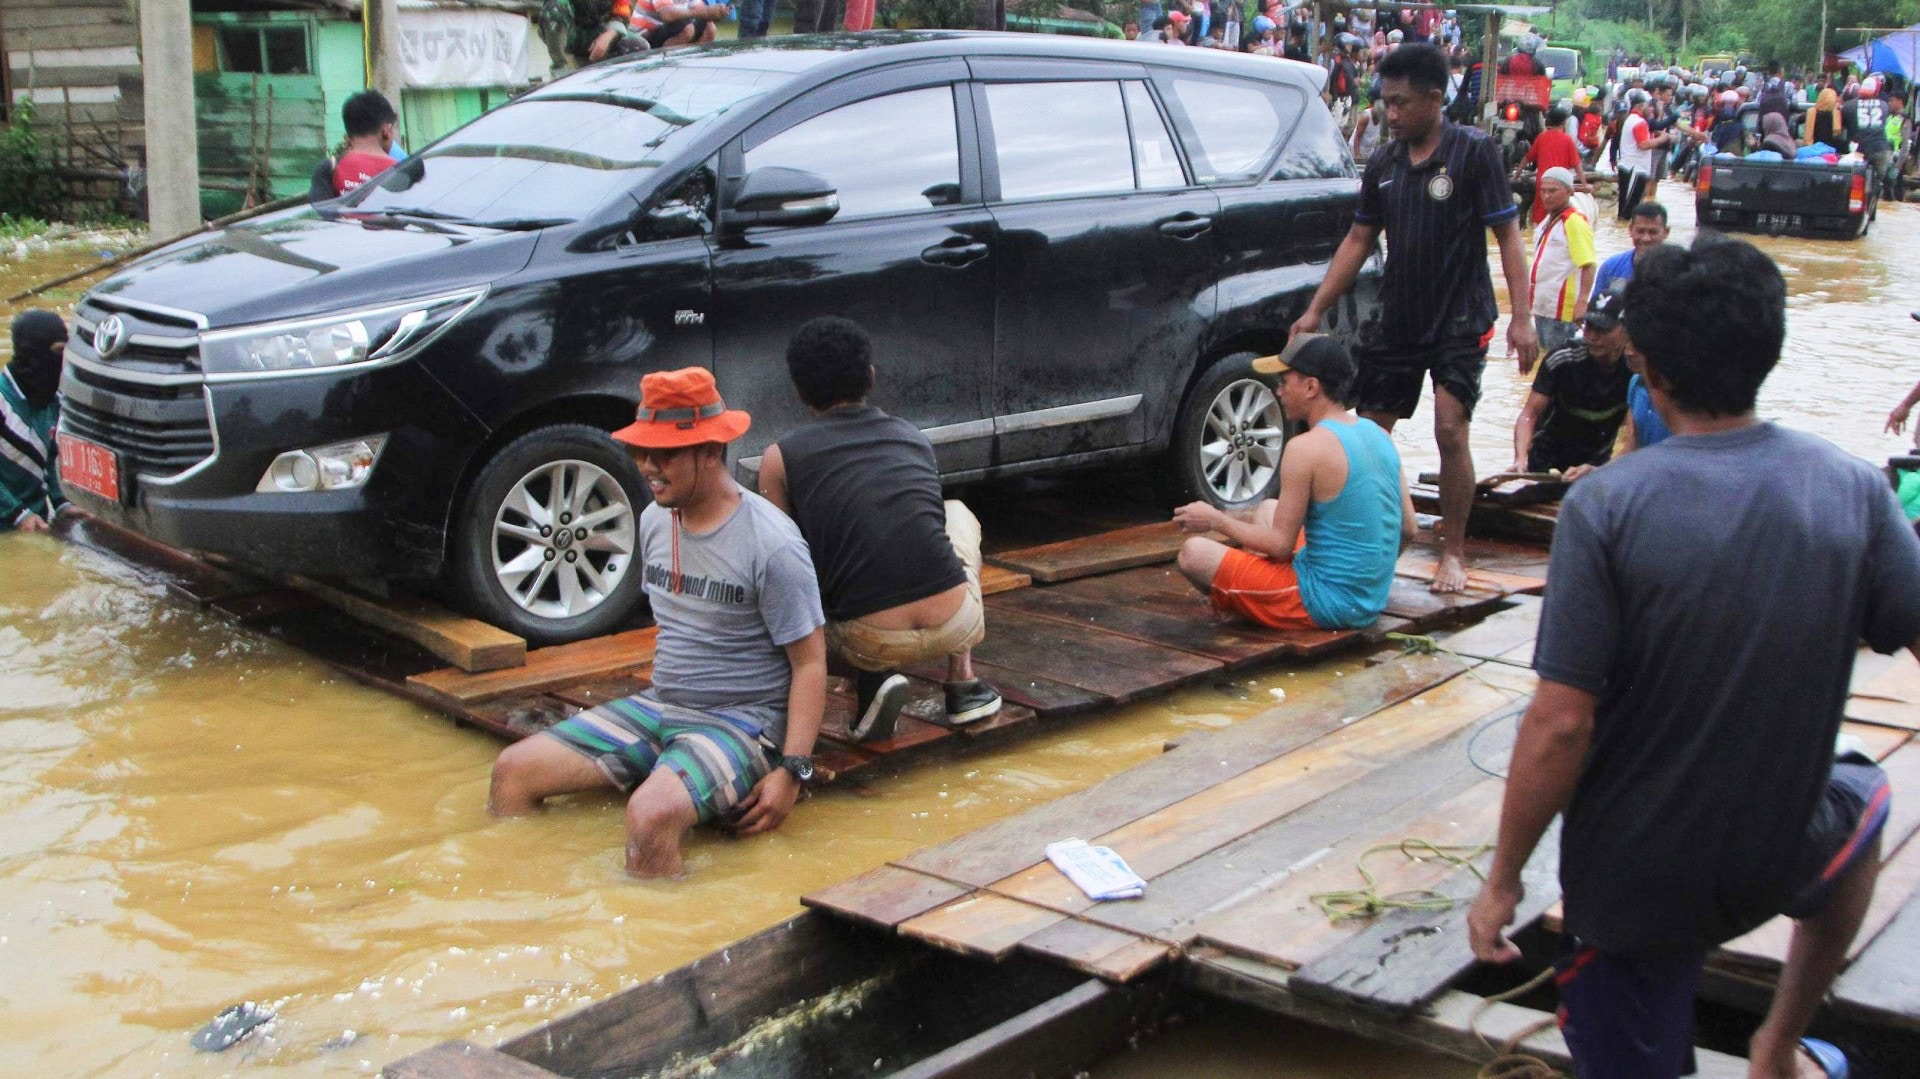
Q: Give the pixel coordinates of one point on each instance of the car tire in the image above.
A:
(1228, 437)
(547, 540)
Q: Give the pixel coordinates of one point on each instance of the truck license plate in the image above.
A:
(89, 466)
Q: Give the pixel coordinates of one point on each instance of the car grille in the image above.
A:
(159, 430)
(158, 342)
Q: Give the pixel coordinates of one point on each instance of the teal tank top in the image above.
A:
(1353, 539)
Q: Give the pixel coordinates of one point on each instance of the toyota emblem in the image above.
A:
(110, 336)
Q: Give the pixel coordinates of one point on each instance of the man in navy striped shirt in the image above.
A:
(1434, 190)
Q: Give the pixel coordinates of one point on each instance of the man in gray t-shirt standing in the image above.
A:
(739, 672)
(1703, 607)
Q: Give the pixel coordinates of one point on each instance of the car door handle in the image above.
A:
(1186, 226)
(957, 251)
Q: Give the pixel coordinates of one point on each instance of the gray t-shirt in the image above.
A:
(728, 602)
(1710, 591)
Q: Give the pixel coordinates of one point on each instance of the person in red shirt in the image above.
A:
(1592, 129)
(1553, 148)
(370, 121)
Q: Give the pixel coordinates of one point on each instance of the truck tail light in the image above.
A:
(1703, 185)
(1857, 196)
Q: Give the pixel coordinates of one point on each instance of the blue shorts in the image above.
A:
(719, 755)
(1631, 1016)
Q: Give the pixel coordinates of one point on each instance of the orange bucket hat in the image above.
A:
(682, 408)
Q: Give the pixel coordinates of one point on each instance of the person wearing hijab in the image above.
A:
(1825, 125)
(29, 407)
(1774, 127)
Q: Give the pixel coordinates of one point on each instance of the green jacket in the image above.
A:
(29, 464)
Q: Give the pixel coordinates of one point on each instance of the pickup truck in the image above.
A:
(1786, 197)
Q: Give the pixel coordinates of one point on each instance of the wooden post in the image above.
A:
(173, 143)
(383, 50)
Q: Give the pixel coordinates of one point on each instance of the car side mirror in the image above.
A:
(776, 195)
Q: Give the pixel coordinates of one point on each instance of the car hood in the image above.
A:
(300, 263)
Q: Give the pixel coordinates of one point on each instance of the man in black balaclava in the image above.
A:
(29, 409)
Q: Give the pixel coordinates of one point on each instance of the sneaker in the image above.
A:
(971, 702)
(879, 697)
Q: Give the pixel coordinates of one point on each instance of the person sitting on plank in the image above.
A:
(1578, 400)
(1694, 655)
(726, 731)
(1321, 555)
(899, 570)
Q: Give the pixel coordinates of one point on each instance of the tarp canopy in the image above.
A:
(1897, 53)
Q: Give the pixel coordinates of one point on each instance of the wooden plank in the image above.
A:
(1458, 1024)
(981, 924)
(1046, 697)
(467, 643)
(1891, 696)
(519, 715)
(1279, 925)
(1420, 563)
(1406, 958)
(545, 668)
(1883, 984)
(1157, 844)
(1062, 1036)
(1115, 667)
(997, 579)
(251, 607)
(1180, 901)
(598, 691)
(1765, 948)
(885, 896)
(1497, 634)
(1880, 742)
(1125, 548)
(1411, 599)
(1016, 843)
(463, 1060)
(1097, 950)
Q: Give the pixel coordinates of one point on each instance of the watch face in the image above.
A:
(801, 767)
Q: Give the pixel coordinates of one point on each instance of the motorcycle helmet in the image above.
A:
(1730, 99)
(1870, 86)
(1637, 98)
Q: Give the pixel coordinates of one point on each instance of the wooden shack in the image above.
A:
(78, 63)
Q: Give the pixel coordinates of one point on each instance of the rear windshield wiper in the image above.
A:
(522, 224)
(417, 211)
(389, 221)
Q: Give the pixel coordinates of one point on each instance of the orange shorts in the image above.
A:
(1260, 590)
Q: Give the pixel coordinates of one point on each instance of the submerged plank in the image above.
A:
(885, 896)
(463, 1060)
(1016, 843)
(186, 575)
(545, 668)
(1125, 548)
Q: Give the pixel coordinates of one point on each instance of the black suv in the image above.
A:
(1065, 250)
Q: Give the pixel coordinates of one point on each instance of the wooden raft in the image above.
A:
(1116, 624)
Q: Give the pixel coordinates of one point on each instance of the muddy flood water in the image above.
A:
(192, 816)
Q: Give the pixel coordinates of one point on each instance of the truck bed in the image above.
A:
(1786, 197)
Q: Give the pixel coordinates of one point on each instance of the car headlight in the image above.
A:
(379, 335)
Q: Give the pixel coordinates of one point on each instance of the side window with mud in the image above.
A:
(919, 167)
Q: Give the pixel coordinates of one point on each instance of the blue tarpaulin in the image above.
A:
(1897, 53)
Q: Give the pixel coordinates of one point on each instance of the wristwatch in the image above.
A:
(801, 767)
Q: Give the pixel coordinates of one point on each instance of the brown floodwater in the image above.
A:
(193, 816)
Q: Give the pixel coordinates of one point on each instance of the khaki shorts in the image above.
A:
(872, 649)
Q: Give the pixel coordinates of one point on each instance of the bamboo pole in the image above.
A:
(107, 264)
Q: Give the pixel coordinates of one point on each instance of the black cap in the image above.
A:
(1316, 355)
(1606, 311)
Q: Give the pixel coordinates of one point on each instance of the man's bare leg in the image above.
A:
(658, 815)
(1200, 557)
(1815, 956)
(960, 666)
(534, 769)
(1451, 431)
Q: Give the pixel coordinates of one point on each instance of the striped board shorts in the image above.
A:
(719, 755)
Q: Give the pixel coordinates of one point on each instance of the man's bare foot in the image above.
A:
(655, 861)
(1450, 575)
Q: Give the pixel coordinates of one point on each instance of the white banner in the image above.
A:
(446, 49)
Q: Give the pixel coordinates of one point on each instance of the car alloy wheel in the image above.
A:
(1240, 449)
(563, 539)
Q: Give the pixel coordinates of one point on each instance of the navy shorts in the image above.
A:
(1391, 375)
(1631, 1016)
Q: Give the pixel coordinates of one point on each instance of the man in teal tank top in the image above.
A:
(1321, 555)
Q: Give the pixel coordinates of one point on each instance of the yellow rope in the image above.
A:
(1508, 1062)
(1367, 902)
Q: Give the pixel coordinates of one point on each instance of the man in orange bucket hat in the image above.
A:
(726, 731)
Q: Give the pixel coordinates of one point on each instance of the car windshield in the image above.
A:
(554, 155)
(1561, 63)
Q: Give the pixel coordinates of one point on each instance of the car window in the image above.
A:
(1060, 138)
(1155, 162)
(1237, 124)
(918, 167)
(1315, 150)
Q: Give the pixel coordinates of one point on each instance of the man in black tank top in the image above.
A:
(899, 569)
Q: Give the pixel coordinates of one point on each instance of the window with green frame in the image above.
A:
(266, 49)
